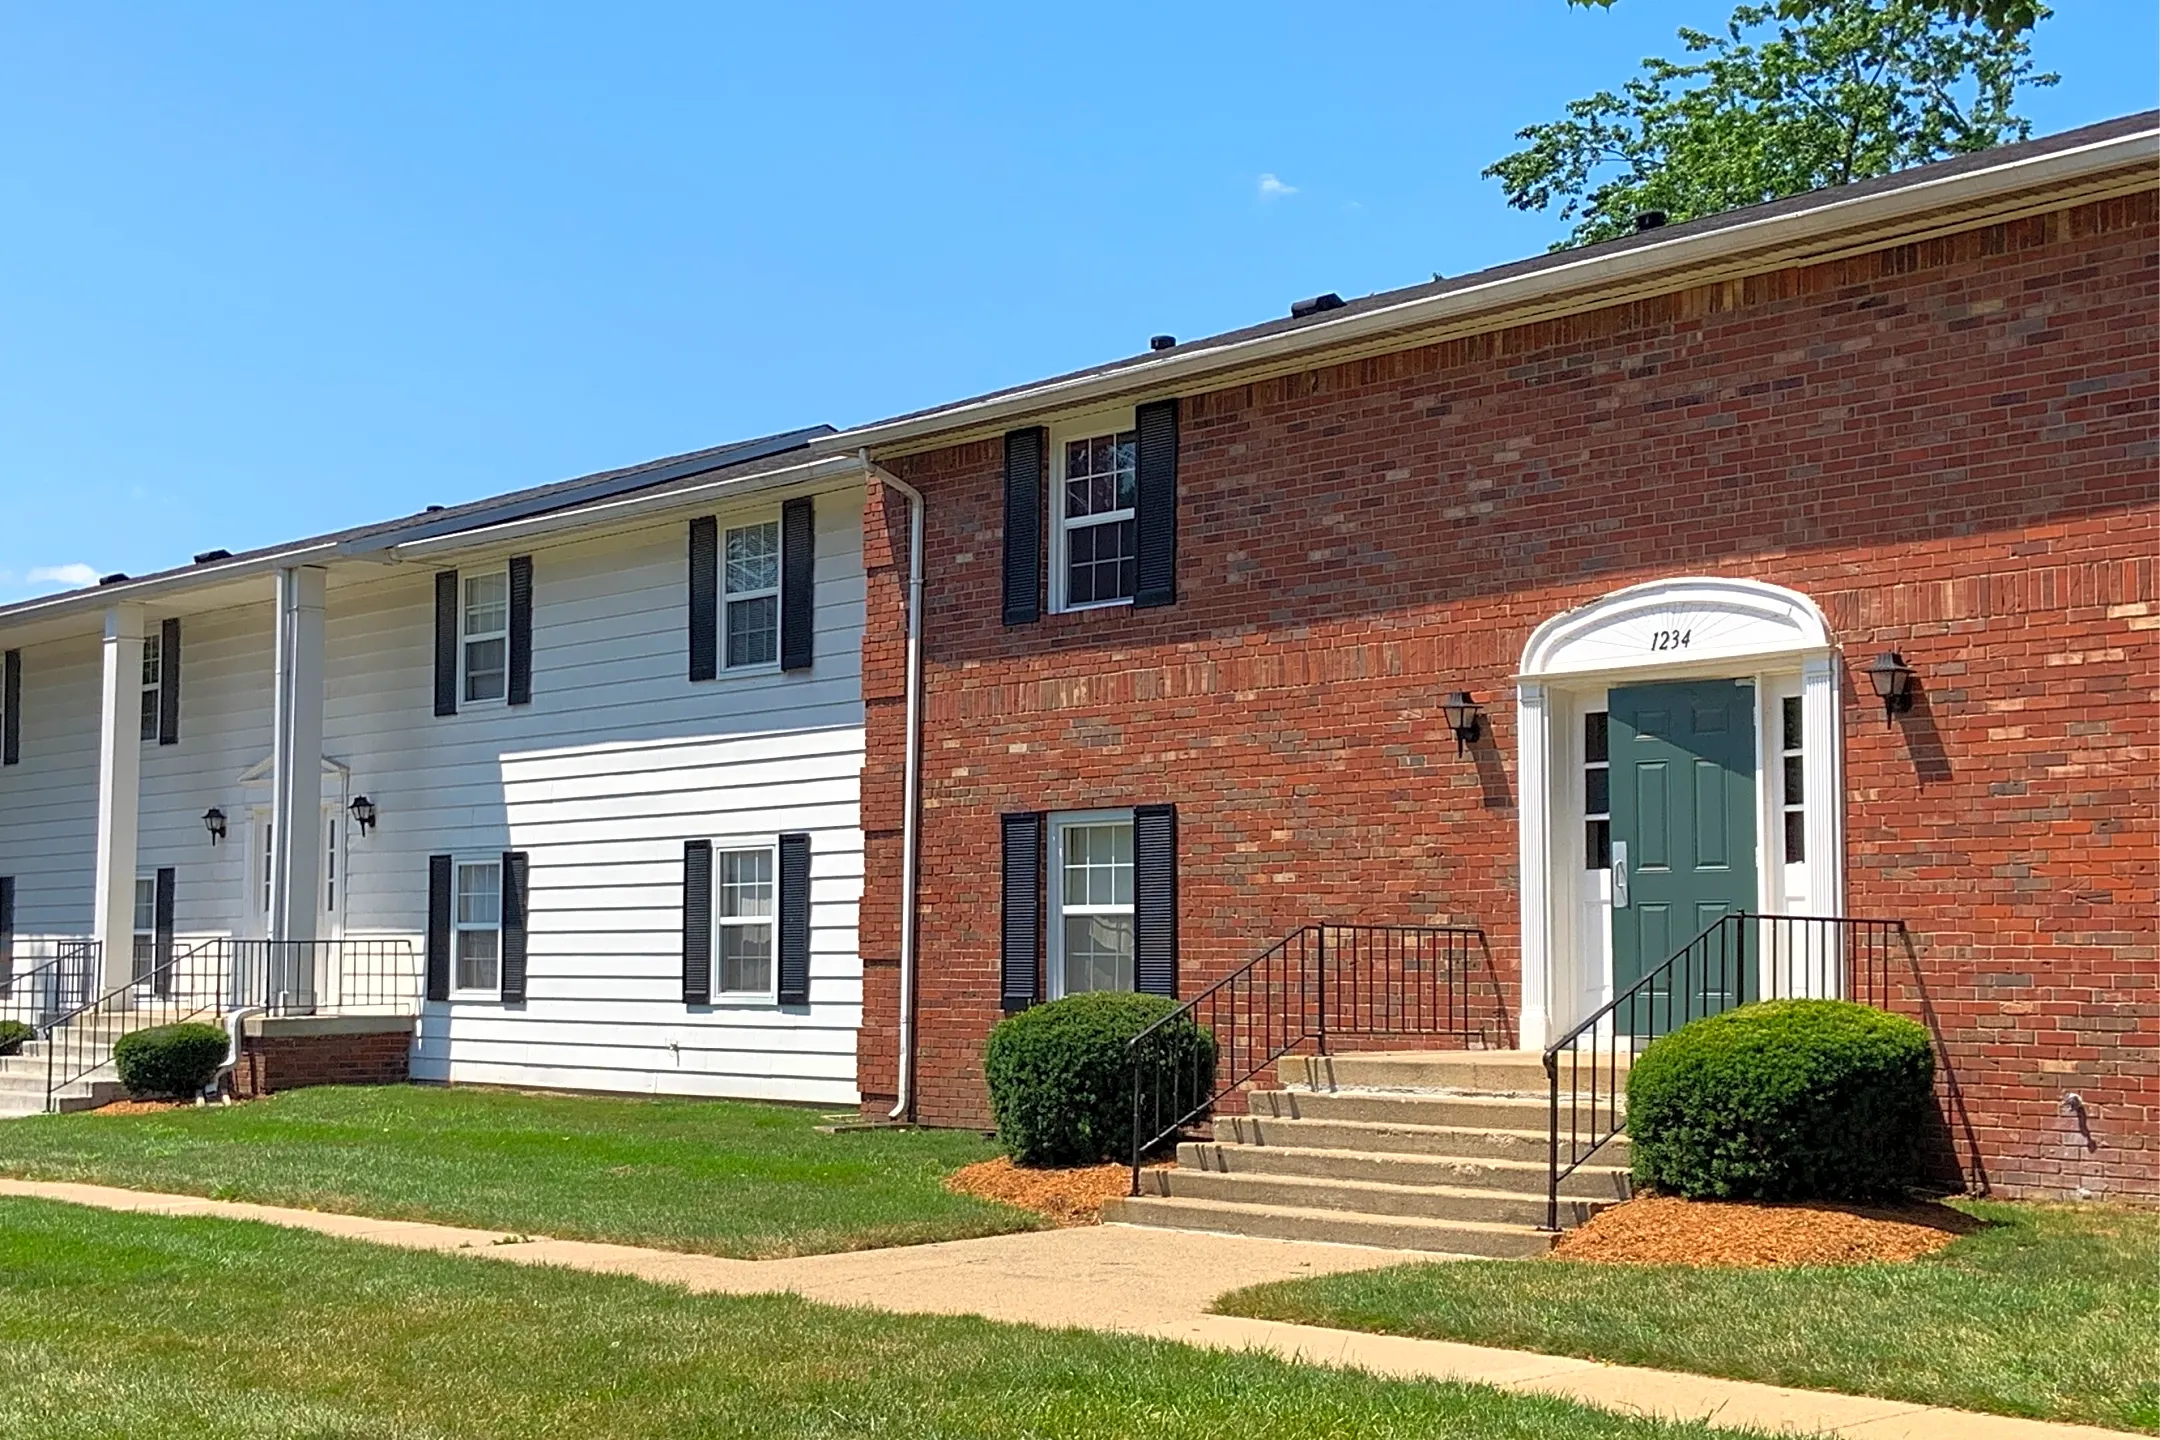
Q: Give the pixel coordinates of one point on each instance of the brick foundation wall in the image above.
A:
(271, 1062)
(1950, 446)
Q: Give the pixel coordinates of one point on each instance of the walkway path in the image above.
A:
(1143, 1282)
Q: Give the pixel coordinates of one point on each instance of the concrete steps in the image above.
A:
(1436, 1151)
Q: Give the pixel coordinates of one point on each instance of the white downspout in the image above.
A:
(911, 815)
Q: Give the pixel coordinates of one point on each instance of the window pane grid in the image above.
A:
(486, 620)
(1794, 795)
(477, 918)
(1597, 793)
(1101, 487)
(153, 674)
(750, 587)
(743, 909)
(1095, 900)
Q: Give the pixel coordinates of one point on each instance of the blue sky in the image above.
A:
(267, 270)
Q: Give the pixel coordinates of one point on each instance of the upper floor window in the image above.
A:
(484, 636)
(1095, 551)
(153, 683)
(750, 598)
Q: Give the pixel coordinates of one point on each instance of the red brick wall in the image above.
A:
(1950, 446)
(270, 1063)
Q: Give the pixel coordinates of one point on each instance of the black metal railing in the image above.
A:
(44, 977)
(1320, 981)
(1741, 957)
(215, 977)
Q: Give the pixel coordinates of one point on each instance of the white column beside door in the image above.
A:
(296, 848)
(119, 792)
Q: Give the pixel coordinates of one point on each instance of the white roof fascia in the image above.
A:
(632, 507)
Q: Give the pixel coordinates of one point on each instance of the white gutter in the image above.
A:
(1700, 257)
(911, 785)
(632, 507)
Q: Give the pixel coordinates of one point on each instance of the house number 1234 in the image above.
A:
(1670, 639)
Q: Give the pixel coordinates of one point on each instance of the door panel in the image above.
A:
(1684, 804)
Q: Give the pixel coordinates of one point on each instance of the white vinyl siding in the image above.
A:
(600, 785)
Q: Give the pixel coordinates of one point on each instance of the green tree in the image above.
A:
(1792, 96)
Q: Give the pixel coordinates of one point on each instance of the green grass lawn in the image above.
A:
(147, 1325)
(716, 1176)
(2051, 1311)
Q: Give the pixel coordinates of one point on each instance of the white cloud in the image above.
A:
(1274, 189)
(68, 575)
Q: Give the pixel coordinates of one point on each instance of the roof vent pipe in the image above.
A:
(209, 555)
(1318, 303)
(113, 579)
(1162, 342)
(1649, 220)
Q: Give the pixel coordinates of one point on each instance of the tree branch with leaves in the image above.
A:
(1790, 96)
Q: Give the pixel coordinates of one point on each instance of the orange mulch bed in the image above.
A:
(1072, 1196)
(1665, 1230)
(142, 1107)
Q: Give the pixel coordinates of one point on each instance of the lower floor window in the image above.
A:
(743, 921)
(478, 923)
(145, 923)
(1092, 903)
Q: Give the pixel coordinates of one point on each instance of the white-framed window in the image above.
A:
(484, 636)
(745, 887)
(476, 927)
(750, 596)
(1094, 487)
(153, 676)
(1091, 902)
(1792, 796)
(1597, 792)
(330, 859)
(266, 853)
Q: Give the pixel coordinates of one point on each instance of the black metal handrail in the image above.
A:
(1741, 957)
(1319, 980)
(218, 976)
(44, 977)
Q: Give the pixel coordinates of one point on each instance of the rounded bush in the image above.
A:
(13, 1035)
(1060, 1085)
(176, 1060)
(1785, 1100)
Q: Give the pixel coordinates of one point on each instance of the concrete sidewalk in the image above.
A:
(1136, 1281)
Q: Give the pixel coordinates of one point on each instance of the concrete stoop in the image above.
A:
(22, 1076)
(1428, 1150)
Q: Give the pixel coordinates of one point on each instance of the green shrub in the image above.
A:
(174, 1060)
(13, 1034)
(1060, 1085)
(1786, 1100)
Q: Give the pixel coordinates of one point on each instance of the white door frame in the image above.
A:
(1676, 629)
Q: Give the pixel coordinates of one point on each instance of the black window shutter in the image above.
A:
(1155, 511)
(161, 977)
(697, 922)
(1155, 899)
(438, 927)
(11, 708)
(521, 630)
(798, 581)
(168, 699)
(514, 869)
(1023, 525)
(794, 919)
(446, 632)
(7, 933)
(1021, 954)
(704, 598)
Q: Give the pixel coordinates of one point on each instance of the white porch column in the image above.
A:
(296, 759)
(1533, 824)
(119, 791)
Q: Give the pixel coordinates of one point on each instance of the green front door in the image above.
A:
(1683, 839)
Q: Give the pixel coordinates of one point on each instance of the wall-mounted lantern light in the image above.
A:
(363, 813)
(1892, 679)
(214, 821)
(1465, 717)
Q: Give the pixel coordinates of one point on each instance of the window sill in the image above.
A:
(1123, 602)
